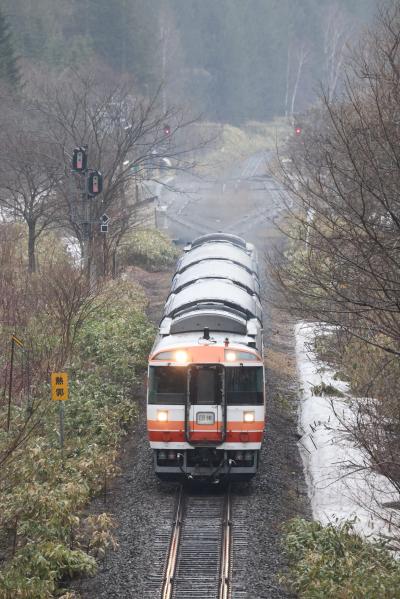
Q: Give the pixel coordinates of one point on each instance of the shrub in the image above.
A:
(326, 389)
(333, 562)
(148, 248)
(41, 499)
(35, 569)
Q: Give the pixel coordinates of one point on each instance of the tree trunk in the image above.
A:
(114, 264)
(31, 246)
(287, 81)
(302, 59)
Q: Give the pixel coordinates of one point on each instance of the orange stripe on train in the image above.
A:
(231, 436)
(176, 425)
(209, 354)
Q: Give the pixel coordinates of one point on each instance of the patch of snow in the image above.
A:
(338, 489)
(73, 248)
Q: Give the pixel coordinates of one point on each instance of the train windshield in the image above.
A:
(205, 385)
(244, 385)
(167, 385)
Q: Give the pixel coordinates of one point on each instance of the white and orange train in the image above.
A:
(206, 400)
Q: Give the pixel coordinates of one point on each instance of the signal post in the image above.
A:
(93, 186)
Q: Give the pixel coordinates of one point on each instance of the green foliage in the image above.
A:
(148, 248)
(333, 562)
(45, 534)
(36, 568)
(9, 70)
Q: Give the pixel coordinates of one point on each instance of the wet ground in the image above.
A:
(243, 201)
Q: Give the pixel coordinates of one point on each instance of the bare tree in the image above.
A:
(342, 263)
(337, 33)
(50, 309)
(297, 57)
(345, 172)
(172, 67)
(126, 134)
(29, 173)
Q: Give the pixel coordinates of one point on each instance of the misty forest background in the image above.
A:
(232, 60)
(138, 65)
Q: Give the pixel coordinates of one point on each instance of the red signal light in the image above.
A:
(95, 183)
(79, 160)
(167, 130)
(297, 130)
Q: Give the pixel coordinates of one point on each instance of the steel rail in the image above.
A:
(199, 557)
(168, 580)
(226, 550)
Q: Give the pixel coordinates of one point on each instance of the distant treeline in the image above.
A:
(234, 60)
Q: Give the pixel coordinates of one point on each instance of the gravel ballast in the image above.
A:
(141, 505)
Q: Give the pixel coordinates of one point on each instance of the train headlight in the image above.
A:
(249, 416)
(162, 415)
(181, 356)
(230, 356)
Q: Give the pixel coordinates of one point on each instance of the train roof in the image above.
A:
(215, 318)
(220, 237)
(218, 292)
(215, 288)
(219, 251)
(216, 269)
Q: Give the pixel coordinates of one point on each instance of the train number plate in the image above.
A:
(205, 418)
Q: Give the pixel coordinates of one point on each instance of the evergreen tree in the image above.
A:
(232, 60)
(9, 70)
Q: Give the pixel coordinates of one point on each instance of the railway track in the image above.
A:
(189, 219)
(201, 226)
(198, 564)
(195, 549)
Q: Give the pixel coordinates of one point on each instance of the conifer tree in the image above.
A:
(9, 70)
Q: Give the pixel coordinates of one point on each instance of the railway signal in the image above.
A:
(90, 186)
(95, 183)
(79, 160)
(298, 130)
(167, 129)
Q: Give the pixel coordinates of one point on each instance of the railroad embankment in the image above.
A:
(100, 338)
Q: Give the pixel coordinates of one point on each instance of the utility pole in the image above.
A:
(92, 186)
(14, 341)
(87, 227)
(10, 384)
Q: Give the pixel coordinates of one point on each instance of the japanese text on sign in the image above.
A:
(59, 386)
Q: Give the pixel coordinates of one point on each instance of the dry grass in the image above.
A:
(156, 285)
(233, 144)
(280, 356)
(279, 361)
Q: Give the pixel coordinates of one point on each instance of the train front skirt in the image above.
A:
(205, 463)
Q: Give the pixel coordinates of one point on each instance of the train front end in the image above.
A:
(206, 411)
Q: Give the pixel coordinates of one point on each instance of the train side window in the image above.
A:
(167, 385)
(244, 385)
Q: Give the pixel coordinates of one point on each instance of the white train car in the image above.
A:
(206, 392)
